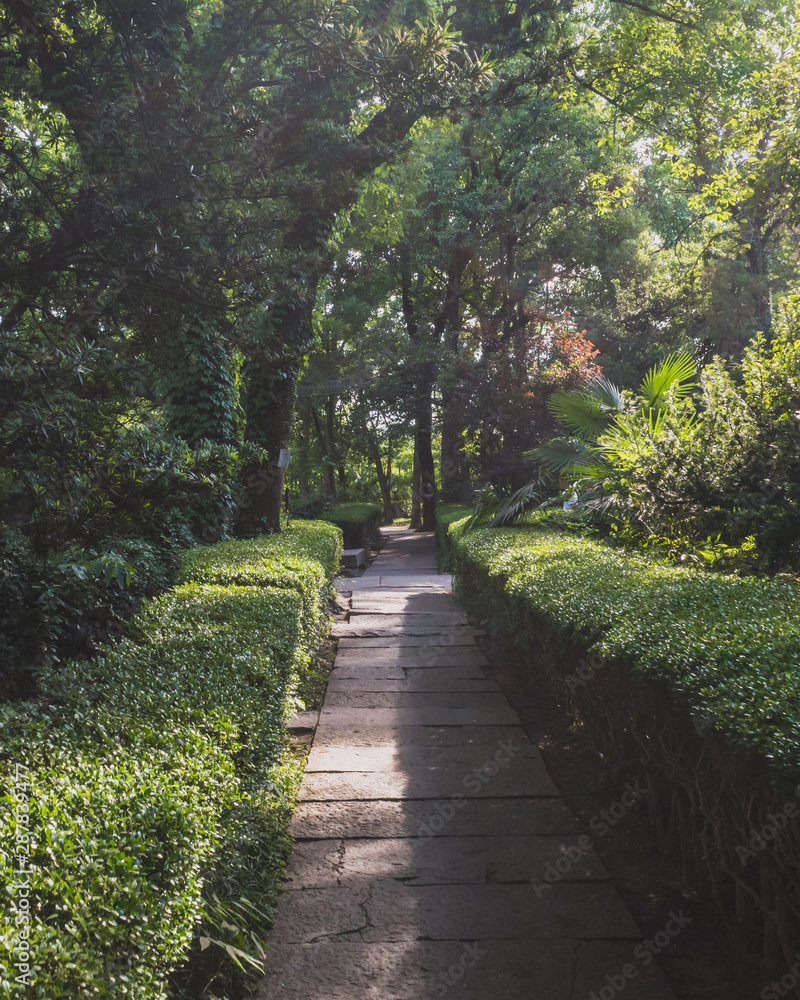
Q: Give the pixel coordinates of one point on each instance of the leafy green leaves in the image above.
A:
(726, 647)
(158, 779)
(669, 381)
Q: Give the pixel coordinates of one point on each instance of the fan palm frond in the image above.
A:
(493, 511)
(674, 375)
(567, 455)
(587, 411)
(608, 395)
(579, 411)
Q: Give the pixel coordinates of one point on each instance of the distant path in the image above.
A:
(435, 855)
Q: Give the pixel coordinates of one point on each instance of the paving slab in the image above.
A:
(456, 637)
(389, 818)
(373, 734)
(444, 860)
(501, 716)
(440, 583)
(424, 605)
(490, 703)
(464, 970)
(438, 620)
(367, 675)
(352, 639)
(415, 656)
(443, 581)
(389, 910)
(367, 626)
(426, 783)
(398, 593)
(454, 679)
(490, 758)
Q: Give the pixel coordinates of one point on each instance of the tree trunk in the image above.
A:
(383, 479)
(270, 378)
(303, 436)
(422, 502)
(424, 449)
(328, 479)
(455, 478)
(333, 444)
(759, 273)
(416, 500)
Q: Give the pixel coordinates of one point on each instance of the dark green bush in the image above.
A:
(64, 605)
(360, 523)
(695, 675)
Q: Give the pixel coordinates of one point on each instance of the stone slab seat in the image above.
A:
(354, 558)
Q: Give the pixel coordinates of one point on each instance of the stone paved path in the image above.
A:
(434, 854)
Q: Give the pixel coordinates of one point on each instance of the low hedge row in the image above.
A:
(360, 523)
(447, 514)
(694, 675)
(147, 790)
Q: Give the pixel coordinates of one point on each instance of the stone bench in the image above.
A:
(354, 558)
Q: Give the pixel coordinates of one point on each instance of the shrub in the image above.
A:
(447, 514)
(699, 682)
(121, 816)
(159, 789)
(302, 558)
(360, 523)
(64, 605)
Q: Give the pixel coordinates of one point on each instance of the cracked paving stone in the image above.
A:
(440, 656)
(509, 755)
(443, 860)
(400, 912)
(415, 680)
(349, 641)
(492, 702)
(371, 734)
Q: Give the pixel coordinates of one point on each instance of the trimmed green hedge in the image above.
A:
(447, 514)
(695, 675)
(360, 523)
(304, 558)
(156, 790)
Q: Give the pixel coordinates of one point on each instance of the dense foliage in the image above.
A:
(156, 788)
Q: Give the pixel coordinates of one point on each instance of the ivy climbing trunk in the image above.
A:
(270, 378)
(197, 383)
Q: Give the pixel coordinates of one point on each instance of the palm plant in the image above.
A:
(608, 429)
